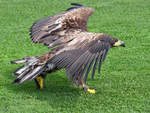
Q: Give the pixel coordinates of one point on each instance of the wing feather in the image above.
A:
(84, 69)
(79, 62)
(89, 68)
(50, 30)
(95, 64)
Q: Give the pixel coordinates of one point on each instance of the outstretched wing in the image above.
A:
(79, 61)
(56, 29)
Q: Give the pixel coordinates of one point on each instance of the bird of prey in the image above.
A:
(72, 48)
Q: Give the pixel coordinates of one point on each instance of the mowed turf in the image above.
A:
(123, 86)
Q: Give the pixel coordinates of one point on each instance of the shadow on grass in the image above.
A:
(57, 91)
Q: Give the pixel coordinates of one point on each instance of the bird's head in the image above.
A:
(114, 42)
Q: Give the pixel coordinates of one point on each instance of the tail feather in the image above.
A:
(37, 72)
(20, 70)
(20, 76)
(18, 61)
(32, 74)
(29, 70)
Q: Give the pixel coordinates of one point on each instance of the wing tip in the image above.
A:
(76, 5)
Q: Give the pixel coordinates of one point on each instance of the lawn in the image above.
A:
(123, 86)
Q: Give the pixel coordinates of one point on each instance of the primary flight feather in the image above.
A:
(72, 48)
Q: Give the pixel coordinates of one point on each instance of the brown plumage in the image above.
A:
(73, 48)
(60, 28)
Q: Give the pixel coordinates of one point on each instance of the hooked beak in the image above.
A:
(119, 43)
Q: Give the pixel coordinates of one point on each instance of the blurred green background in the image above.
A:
(123, 86)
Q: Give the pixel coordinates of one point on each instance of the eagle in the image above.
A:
(72, 47)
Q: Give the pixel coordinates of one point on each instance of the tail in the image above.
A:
(30, 70)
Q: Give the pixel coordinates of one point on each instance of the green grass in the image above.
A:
(124, 83)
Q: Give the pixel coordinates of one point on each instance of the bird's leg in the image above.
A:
(40, 81)
(85, 87)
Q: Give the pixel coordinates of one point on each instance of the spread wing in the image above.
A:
(79, 60)
(55, 30)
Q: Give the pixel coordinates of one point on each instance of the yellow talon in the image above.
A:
(91, 91)
(40, 81)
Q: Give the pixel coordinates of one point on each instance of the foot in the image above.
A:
(87, 90)
(93, 91)
(85, 87)
(40, 80)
